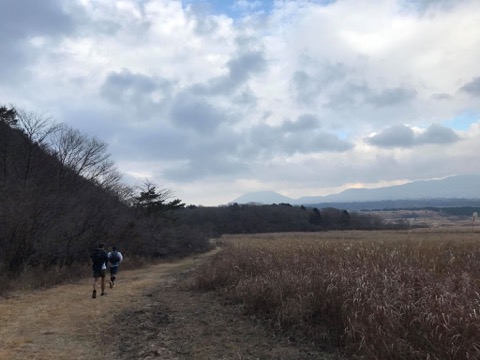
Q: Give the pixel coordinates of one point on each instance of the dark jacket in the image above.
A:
(99, 259)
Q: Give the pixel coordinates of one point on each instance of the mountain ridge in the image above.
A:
(452, 187)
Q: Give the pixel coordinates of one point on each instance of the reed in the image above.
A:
(376, 295)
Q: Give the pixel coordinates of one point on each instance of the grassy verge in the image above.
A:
(377, 295)
(32, 278)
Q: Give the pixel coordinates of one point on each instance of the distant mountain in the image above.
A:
(453, 187)
(263, 197)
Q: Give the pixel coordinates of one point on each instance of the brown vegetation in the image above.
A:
(376, 295)
(61, 194)
(152, 313)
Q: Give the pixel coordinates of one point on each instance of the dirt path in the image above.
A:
(150, 314)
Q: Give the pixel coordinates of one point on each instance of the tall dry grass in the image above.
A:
(376, 295)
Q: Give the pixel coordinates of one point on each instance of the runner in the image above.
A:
(115, 257)
(99, 267)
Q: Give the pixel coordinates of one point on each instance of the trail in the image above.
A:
(64, 322)
(150, 314)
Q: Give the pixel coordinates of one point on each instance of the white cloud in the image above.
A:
(280, 98)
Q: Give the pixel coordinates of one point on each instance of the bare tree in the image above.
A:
(111, 182)
(77, 152)
(81, 155)
(36, 127)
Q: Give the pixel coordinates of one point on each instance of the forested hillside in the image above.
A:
(61, 194)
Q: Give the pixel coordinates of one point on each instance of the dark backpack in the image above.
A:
(114, 257)
(98, 258)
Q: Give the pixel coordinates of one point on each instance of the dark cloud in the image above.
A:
(390, 97)
(441, 96)
(357, 94)
(22, 20)
(308, 84)
(404, 136)
(306, 88)
(472, 87)
(202, 168)
(144, 93)
(395, 136)
(239, 71)
(246, 97)
(221, 151)
(301, 137)
(319, 142)
(216, 155)
(244, 41)
(437, 134)
(245, 65)
(349, 95)
(305, 122)
(91, 119)
(190, 112)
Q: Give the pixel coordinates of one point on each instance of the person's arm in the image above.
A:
(120, 256)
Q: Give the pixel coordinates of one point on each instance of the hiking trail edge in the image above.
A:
(151, 313)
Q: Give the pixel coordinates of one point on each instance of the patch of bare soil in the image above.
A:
(178, 323)
(152, 313)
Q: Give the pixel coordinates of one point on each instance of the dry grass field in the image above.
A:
(152, 313)
(425, 218)
(374, 295)
(362, 294)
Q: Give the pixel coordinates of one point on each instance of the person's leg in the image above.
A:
(113, 272)
(102, 283)
(94, 293)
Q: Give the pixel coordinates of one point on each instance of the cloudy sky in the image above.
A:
(213, 99)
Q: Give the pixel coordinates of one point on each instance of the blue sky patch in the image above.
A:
(463, 121)
(238, 8)
(231, 8)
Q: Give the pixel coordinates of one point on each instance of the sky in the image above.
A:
(213, 99)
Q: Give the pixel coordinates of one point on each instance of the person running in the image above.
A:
(99, 267)
(115, 257)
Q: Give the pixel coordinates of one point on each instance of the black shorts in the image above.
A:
(98, 273)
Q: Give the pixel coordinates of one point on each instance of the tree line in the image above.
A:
(61, 194)
(255, 218)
